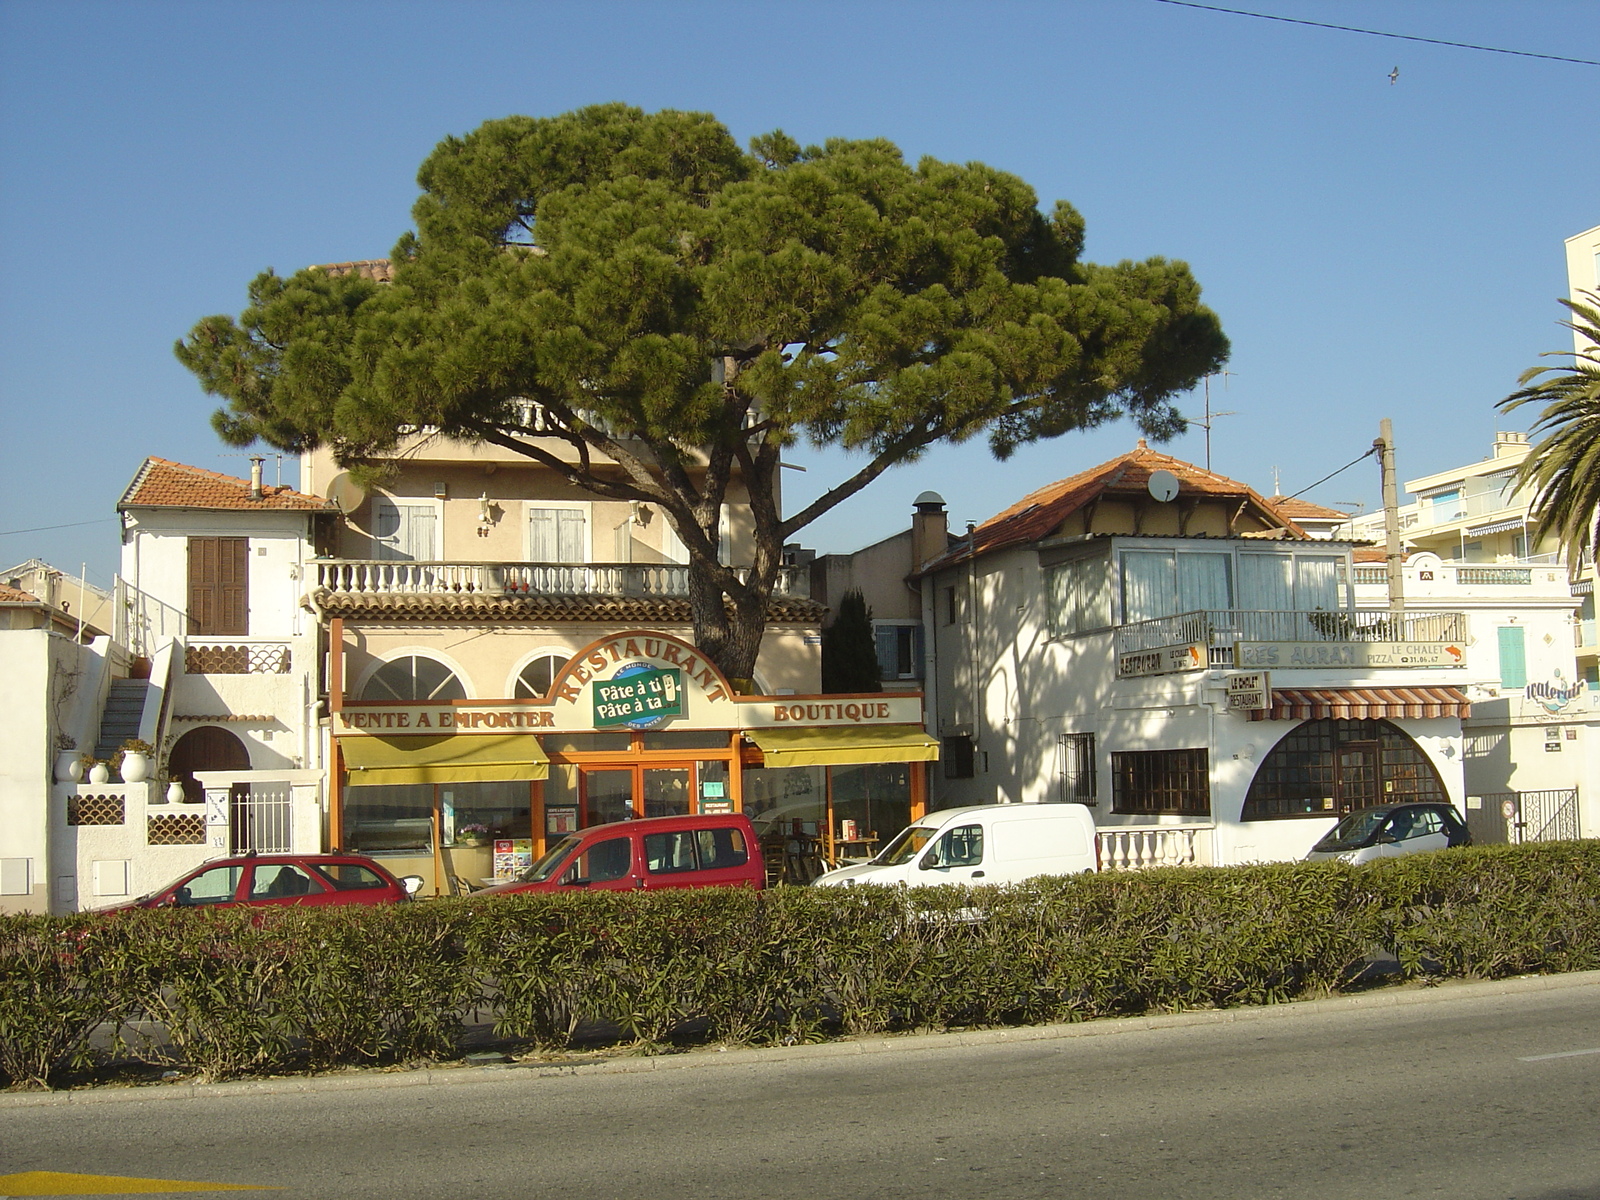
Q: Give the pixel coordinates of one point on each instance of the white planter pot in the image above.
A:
(99, 773)
(69, 766)
(175, 792)
(135, 767)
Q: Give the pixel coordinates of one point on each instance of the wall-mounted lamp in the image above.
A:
(486, 515)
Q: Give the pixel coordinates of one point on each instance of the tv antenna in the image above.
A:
(1211, 416)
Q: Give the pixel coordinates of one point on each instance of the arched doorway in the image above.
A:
(206, 748)
(1332, 766)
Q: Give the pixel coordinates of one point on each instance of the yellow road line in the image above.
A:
(55, 1183)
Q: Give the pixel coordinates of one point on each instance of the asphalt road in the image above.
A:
(1466, 1091)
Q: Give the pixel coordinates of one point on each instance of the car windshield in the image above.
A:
(546, 866)
(1354, 831)
(905, 845)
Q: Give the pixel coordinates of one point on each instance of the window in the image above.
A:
(1161, 781)
(403, 532)
(216, 886)
(961, 847)
(534, 680)
(1513, 656)
(281, 881)
(1078, 783)
(669, 853)
(413, 678)
(952, 605)
(1330, 766)
(899, 649)
(956, 753)
(351, 877)
(558, 535)
(694, 850)
(603, 861)
(1080, 599)
(219, 586)
(1289, 582)
(721, 848)
(1163, 583)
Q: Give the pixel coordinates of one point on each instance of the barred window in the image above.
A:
(1078, 782)
(1161, 781)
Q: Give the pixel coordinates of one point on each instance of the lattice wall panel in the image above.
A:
(176, 829)
(236, 660)
(94, 810)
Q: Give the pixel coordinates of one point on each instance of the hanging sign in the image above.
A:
(639, 696)
(1251, 692)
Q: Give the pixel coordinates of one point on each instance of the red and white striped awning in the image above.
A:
(1364, 704)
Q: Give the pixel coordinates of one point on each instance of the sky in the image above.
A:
(1374, 248)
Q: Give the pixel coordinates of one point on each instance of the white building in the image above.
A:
(1107, 638)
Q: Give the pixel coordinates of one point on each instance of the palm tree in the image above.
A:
(1562, 471)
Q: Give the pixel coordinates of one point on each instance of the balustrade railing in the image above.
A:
(373, 577)
(1138, 847)
(1221, 629)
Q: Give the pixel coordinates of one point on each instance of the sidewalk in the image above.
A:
(466, 1073)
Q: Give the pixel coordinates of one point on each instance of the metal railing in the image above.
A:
(142, 623)
(1221, 629)
(373, 577)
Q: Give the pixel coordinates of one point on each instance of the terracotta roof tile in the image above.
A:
(11, 595)
(1040, 513)
(1296, 509)
(164, 484)
(479, 607)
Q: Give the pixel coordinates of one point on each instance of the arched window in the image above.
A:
(535, 679)
(1327, 767)
(413, 678)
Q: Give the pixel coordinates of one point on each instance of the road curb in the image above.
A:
(844, 1048)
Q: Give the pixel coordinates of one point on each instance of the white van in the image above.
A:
(986, 843)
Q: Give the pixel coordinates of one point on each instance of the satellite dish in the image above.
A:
(1163, 485)
(346, 494)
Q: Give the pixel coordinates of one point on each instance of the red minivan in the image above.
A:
(708, 850)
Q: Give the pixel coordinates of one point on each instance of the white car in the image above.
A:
(981, 844)
(1391, 830)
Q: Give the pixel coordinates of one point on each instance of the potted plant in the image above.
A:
(69, 767)
(99, 772)
(175, 792)
(472, 835)
(133, 760)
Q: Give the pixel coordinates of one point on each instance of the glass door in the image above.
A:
(607, 794)
(666, 791)
(622, 792)
(1356, 775)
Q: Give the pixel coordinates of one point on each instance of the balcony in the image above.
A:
(370, 577)
(1254, 639)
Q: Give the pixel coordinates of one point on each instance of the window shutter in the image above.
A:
(219, 591)
(570, 525)
(1513, 657)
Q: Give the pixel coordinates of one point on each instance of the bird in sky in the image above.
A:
(1394, 75)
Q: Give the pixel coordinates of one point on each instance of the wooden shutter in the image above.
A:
(219, 586)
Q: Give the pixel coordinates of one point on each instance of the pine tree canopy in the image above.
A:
(677, 311)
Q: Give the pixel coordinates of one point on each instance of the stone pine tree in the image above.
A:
(849, 650)
(1562, 470)
(654, 314)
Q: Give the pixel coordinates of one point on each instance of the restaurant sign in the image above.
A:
(639, 696)
(1252, 692)
(1163, 660)
(1315, 655)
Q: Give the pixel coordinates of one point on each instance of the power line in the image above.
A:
(1404, 37)
(1325, 478)
(43, 528)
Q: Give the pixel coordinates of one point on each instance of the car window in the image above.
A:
(351, 877)
(904, 845)
(602, 861)
(961, 847)
(281, 881)
(1426, 821)
(667, 853)
(721, 848)
(214, 886)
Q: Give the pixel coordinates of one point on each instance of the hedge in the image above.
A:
(230, 992)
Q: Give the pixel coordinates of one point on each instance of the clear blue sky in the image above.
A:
(1374, 249)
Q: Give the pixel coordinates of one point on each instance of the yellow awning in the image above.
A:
(449, 758)
(828, 746)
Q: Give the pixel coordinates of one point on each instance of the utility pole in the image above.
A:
(1391, 519)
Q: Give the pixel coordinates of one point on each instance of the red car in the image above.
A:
(705, 850)
(278, 880)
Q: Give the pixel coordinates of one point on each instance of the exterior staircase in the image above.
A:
(120, 720)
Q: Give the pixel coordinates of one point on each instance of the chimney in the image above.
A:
(255, 476)
(930, 528)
